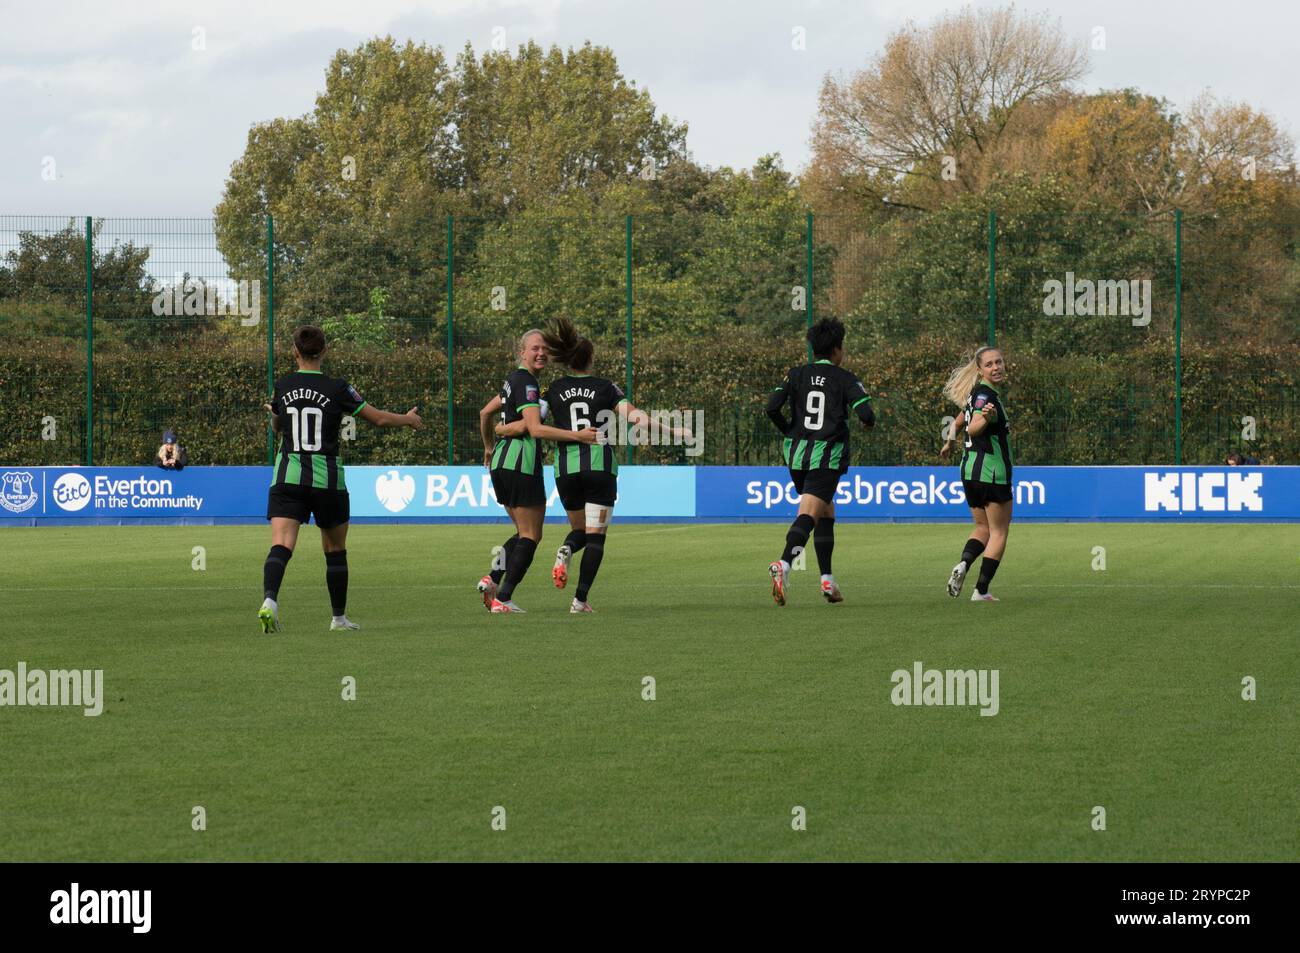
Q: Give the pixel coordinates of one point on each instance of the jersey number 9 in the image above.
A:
(301, 427)
(816, 407)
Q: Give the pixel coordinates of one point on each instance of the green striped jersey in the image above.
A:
(518, 453)
(821, 395)
(311, 407)
(987, 457)
(576, 401)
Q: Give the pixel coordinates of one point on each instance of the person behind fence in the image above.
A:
(171, 455)
(1235, 459)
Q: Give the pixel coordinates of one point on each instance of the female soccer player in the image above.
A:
(586, 477)
(977, 387)
(816, 448)
(516, 469)
(308, 478)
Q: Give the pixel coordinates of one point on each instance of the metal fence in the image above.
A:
(114, 330)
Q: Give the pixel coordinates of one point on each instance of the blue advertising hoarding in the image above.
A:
(148, 495)
(129, 495)
(1050, 494)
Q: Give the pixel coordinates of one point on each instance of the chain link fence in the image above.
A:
(1131, 340)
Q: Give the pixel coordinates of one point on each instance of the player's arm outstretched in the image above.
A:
(383, 418)
(958, 422)
(539, 431)
(639, 418)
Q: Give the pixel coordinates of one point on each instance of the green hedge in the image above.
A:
(1075, 410)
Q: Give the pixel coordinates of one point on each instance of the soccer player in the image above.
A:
(816, 448)
(977, 387)
(586, 476)
(308, 478)
(516, 467)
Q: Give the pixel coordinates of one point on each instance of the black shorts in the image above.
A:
(818, 483)
(979, 495)
(587, 486)
(515, 488)
(330, 507)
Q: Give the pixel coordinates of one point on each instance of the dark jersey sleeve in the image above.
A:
(349, 399)
(983, 401)
(858, 400)
(776, 401)
(277, 398)
(529, 394)
(522, 391)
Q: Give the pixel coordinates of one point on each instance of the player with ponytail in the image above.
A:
(977, 387)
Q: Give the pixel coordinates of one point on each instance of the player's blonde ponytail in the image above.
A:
(962, 381)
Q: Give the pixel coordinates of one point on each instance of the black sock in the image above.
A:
(336, 579)
(824, 543)
(987, 568)
(590, 564)
(273, 570)
(972, 551)
(797, 537)
(502, 559)
(521, 557)
(576, 539)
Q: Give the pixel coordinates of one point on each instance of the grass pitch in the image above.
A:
(1119, 688)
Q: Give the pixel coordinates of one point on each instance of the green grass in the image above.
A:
(1119, 688)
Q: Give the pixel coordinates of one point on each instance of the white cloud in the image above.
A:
(142, 124)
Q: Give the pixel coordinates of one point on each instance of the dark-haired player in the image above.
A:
(516, 466)
(306, 409)
(816, 448)
(586, 475)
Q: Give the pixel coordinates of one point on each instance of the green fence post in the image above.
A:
(451, 358)
(90, 345)
(628, 359)
(1178, 337)
(270, 334)
(993, 289)
(808, 277)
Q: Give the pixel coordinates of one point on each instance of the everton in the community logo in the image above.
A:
(18, 491)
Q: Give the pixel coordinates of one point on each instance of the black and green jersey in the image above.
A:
(987, 458)
(577, 401)
(311, 406)
(821, 396)
(518, 453)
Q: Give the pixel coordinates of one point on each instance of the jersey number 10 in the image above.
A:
(305, 435)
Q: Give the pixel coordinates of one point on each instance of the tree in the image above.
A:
(360, 188)
(50, 269)
(932, 114)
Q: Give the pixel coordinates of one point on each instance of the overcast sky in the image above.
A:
(139, 123)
